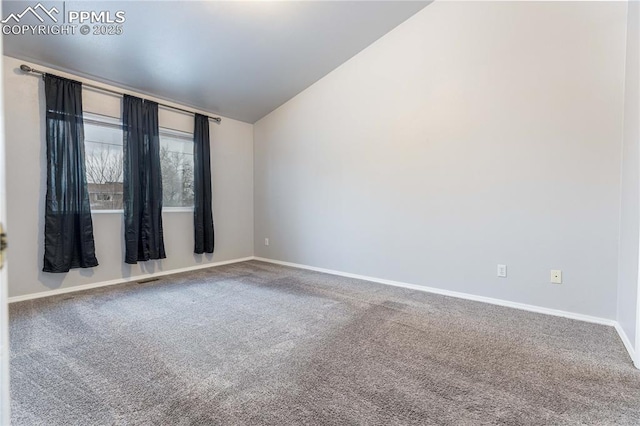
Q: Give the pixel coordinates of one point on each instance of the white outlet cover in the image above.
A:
(502, 271)
(556, 276)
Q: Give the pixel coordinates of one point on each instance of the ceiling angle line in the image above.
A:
(27, 69)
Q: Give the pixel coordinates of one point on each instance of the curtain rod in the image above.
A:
(28, 69)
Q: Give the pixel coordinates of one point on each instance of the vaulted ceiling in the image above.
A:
(237, 59)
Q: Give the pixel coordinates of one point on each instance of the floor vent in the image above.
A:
(148, 280)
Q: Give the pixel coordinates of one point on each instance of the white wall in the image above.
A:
(232, 175)
(4, 311)
(630, 213)
(473, 134)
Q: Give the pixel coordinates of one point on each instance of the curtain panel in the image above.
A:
(202, 211)
(68, 228)
(142, 181)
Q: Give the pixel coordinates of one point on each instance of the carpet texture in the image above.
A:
(254, 343)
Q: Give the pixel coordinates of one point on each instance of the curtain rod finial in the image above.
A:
(26, 68)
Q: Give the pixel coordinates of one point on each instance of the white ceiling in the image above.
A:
(237, 59)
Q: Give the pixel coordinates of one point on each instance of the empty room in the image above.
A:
(320, 213)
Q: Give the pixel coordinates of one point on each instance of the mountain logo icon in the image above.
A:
(34, 11)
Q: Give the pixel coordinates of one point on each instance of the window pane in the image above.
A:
(104, 164)
(176, 162)
(103, 160)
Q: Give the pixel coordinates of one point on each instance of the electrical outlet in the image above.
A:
(266, 241)
(502, 271)
(556, 276)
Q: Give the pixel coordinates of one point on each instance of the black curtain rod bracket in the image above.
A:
(27, 69)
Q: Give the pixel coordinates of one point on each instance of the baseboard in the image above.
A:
(457, 294)
(628, 345)
(123, 280)
(460, 295)
(500, 302)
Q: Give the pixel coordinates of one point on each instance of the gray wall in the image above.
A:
(232, 170)
(473, 134)
(630, 213)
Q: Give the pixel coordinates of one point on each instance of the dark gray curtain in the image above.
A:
(202, 214)
(68, 229)
(142, 181)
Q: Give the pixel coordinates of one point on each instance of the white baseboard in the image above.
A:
(457, 294)
(500, 302)
(522, 306)
(123, 280)
(627, 345)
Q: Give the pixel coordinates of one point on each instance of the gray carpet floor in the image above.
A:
(254, 343)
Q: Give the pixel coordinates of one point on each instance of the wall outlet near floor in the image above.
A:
(502, 271)
(556, 276)
(266, 241)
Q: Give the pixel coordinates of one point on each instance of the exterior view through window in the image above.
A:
(104, 164)
(103, 161)
(176, 161)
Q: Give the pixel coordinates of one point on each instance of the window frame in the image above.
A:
(187, 137)
(115, 122)
(106, 121)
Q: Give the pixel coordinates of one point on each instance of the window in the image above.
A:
(176, 161)
(103, 161)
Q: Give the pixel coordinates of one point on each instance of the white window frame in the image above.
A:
(103, 120)
(186, 136)
(108, 120)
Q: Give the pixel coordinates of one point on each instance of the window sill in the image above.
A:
(164, 210)
(177, 209)
(107, 211)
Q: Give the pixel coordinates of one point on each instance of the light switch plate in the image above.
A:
(556, 276)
